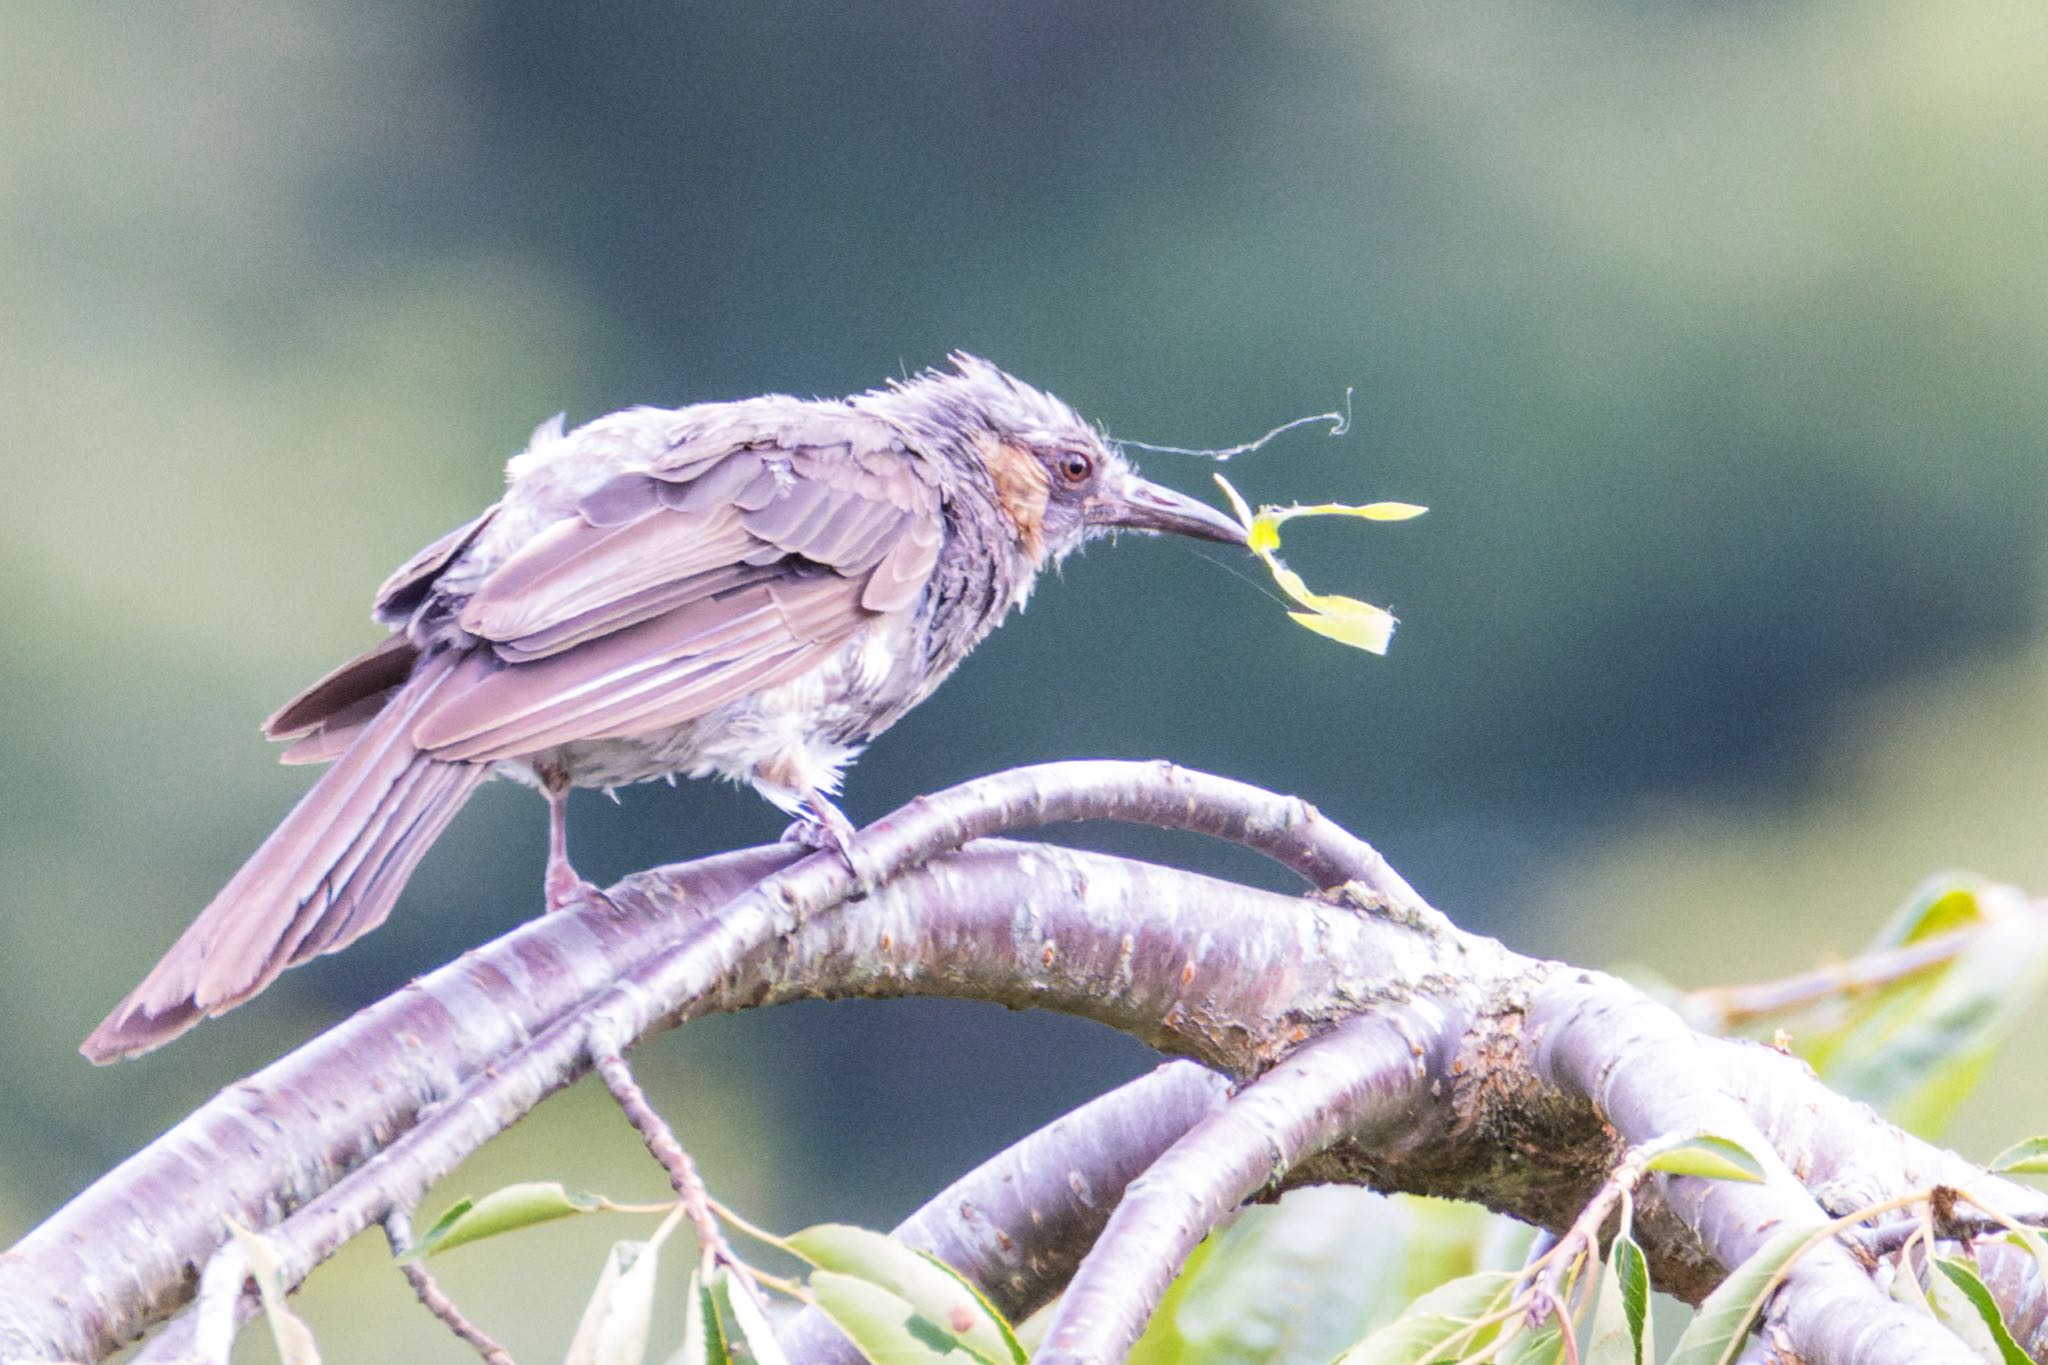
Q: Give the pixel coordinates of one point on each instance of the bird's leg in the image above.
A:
(561, 884)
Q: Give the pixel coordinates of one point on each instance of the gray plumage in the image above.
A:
(751, 589)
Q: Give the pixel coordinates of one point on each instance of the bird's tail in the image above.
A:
(328, 874)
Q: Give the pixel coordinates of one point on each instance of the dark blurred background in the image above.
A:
(1713, 334)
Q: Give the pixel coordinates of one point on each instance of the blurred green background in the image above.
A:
(1714, 335)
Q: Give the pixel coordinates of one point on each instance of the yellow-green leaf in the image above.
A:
(1978, 1309)
(1444, 1324)
(1710, 1157)
(882, 1326)
(2023, 1158)
(502, 1210)
(294, 1340)
(1343, 619)
(1371, 511)
(1720, 1327)
(1368, 628)
(927, 1284)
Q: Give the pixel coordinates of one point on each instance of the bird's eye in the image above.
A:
(1076, 467)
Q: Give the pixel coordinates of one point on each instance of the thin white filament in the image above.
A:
(1340, 422)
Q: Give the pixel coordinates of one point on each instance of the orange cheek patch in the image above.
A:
(1022, 487)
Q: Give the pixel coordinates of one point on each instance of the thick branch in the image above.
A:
(436, 1039)
(1365, 1076)
(1609, 1043)
(1019, 1223)
(1524, 1110)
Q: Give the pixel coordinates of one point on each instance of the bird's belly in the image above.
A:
(782, 740)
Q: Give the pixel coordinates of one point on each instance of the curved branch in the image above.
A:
(1019, 1223)
(1608, 1042)
(1365, 1075)
(452, 1033)
(127, 1251)
(1516, 1114)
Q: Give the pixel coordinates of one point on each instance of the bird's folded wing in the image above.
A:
(674, 591)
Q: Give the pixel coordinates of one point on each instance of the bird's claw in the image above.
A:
(807, 832)
(822, 826)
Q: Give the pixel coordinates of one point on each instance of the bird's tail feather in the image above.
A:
(328, 874)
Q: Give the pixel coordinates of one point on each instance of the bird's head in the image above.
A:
(1052, 477)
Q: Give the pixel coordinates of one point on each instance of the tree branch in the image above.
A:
(1019, 1223)
(1365, 1075)
(1537, 1075)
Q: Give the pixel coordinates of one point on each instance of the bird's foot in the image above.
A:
(824, 826)
(806, 832)
(565, 889)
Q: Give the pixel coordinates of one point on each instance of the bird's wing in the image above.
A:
(673, 591)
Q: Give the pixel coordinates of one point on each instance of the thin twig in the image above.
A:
(682, 1171)
(398, 1232)
(1959, 1227)
(1547, 1289)
(1717, 1009)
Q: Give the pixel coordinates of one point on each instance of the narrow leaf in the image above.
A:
(1963, 1276)
(1710, 1157)
(2023, 1158)
(613, 1329)
(1372, 511)
(1936, 907)
(927, 1284)
(503, 1210)
(1343, 619)
(749, 1338)
(295, 1345)
(1917, 1047)
(1718, 1331)
(1438, 1322)
(882, 1326)
(703, 1343)
(1363, 627)
(1621, 1309)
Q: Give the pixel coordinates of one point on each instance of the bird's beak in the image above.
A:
(1141, 505)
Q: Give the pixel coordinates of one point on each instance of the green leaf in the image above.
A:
(613, 1329)
(703, 1342)
(883, 1326)
(1992, 1339)
(1294, 1283)
(294, 1340)
(2023, 1158)
(1542, 1346)
(1621, 1312)
(1164, 1342)
(503, 1210)
(1709, 1157)
(927, 1284)
(1938, 906)
(1634, 1269)
(749, 1338)
(1718, 1331)
(1440, 1324)
(1916, 1048)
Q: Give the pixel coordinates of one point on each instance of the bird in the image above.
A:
(751, 589)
